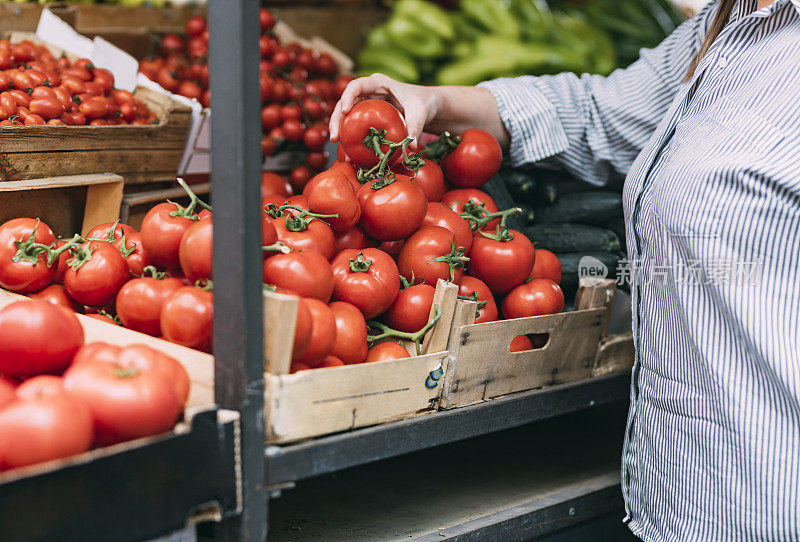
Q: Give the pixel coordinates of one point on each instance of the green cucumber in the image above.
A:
(593, 208)
(573, 238)
(617, 225)
(521, 185)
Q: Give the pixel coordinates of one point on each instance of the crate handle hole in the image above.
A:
(531, 341)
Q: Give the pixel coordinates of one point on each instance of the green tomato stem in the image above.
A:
(386, 332)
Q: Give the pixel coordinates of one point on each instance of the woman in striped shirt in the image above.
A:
(707, 129)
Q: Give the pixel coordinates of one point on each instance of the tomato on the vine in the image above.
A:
(455, 200)
(534, 298)
(140, 300)
(439, 215)
(195, 252)
(162, 233)
(330, 192)
(393, 211)
(350, 345)
(471, 285)
(57, 295)
(429, 178)
(95, 273)
(387, 350)
(502, 265)
(38, 337)
(411, 308)
(367, 279)
(546, 265)
(355, 127)
(474, 161)
(187, 317)
(307, 273)
(305, 234)
(432, 254)
(23, 255)
(323, 332)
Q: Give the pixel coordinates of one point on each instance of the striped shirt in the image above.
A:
(712, 206)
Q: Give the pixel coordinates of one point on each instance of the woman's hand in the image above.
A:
(419, 105)
(433, 109)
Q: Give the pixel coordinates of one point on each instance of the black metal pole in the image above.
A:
(235, 173)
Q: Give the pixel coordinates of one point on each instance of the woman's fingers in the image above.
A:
(416, 116)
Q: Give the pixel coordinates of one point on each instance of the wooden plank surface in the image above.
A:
(616, 353)
(482, 367)
(280, 319)
(322, 401)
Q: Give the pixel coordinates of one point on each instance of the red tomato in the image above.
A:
(315, 137)
(355, 126)
(162, 234)
(387, 350)
(30, 272)
(109, 231)
(341, 156)
(439, 215)
(95, 107)
(57, 295)
(431, 254)
(502, 265)
(95, 274)
(299, 177)
(323, 332)
(196, 251)
(302, 329)
(40, 385)
(133, 251)
(354, 238)
(293, 130)
(43, 428)
(301, 235)
(306, 273)
(47, 107)
(127, 400)
(187, 317)
(73, 119)
(172, 43)
(411, 308)
(341, 83)
(392, 212)
(520, 343)
(330, 361)
(429, 178)
(331, 193)
(475, 161)
(104, 78)
(190, 89)
(455, 200)
(297, 367)
(534, 298)
(350, 345)
(317, 160)
(350, 171)
(273, 184)
(140, 300)
(470, 285)
(37, 337)
(367, 279)
(546, 266)
(392, 248)
(195, 25)
(60, 264)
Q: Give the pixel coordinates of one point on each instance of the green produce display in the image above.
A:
(422, 42)
(574, 238)
(593, 208)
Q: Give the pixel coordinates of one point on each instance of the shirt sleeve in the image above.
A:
(596, 125)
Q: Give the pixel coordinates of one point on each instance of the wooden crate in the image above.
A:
(24, 17)
(68, 204)
(321, 401)
(137, 153)
(482, 367)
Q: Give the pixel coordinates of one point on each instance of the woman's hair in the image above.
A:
(723, 16)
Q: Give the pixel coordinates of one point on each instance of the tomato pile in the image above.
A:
(59, 396)
(154, 281)
(372, 235)
(36, 88)
(299, 87)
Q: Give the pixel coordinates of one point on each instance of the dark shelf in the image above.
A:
(134, 491)
(289, 463)
(519, 484)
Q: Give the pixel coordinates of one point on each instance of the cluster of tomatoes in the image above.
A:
(153, 281)
(36, 88)
(59, 396)
(299, 87)
(377, 230)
